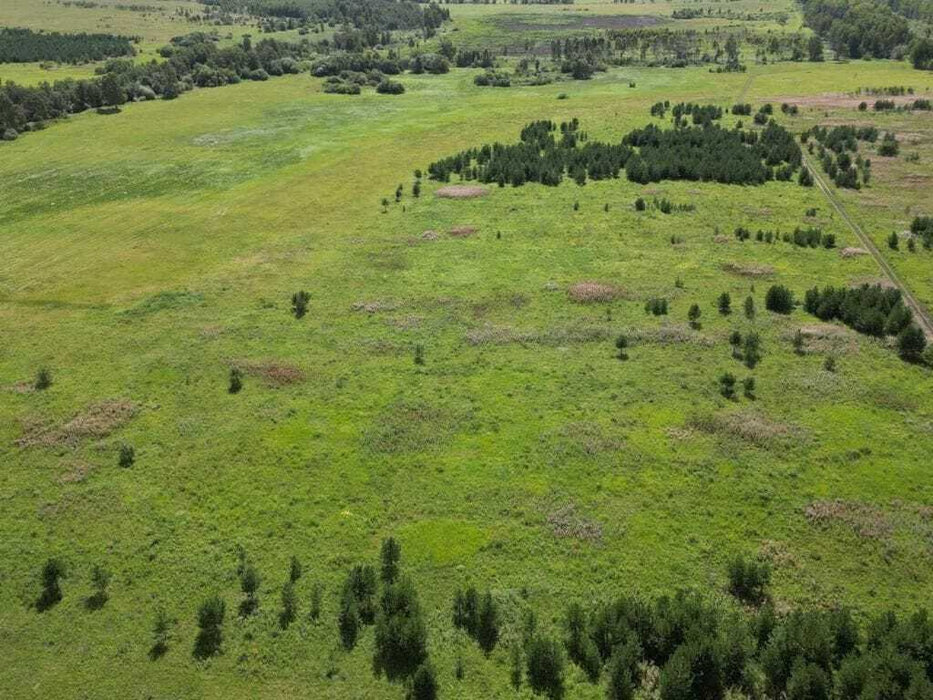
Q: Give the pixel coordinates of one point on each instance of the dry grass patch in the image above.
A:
(852, 252)
(271, 372)
(95, 422)
(749, 270)
(720, 238)
(462, 231)
(461, 192)
(553, 337)
(863, 519)
(824, 338)
(76, 473)
(749, 426)
(374, 307)
(668, 334)
(567, 522)
(594, 292)
(429, 235)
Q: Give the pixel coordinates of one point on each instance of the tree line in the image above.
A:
(857, 28)
(27, 46)
(687, 644)
(651, 154)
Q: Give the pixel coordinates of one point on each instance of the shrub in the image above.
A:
(390, 87)
(748, 580)
(401, 635)
(210, 623)
(724, 303)
(236, 380)
(808, 682)
(100, 580)
(390, 554)
(693, 671)
(640, 204)
(127, 456)
(249, 584)
(749, 307)
(161, 628)
(300, 301)
(752, 350)
(294, 569)
(545, 667)
(779, 299)
(889, 146)
(515, 667)
(419, 354)
(487, 630)
(727, 385)
(289, 605)
(748, 387)
(621, 684)
(693, 315)
(423, 683)
(911, 343)
(893, 241)
(52, 572)
(348, 619)
(43, 379)
(314, 607)
(621, 346)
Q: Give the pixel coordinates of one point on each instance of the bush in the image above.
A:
(390, 87)
(348, 619)
(748, 580)
(748, 387)
(300, 301)
(621, 346)
(236, 380)
(210, 623)
(127, 456)
(693, 315)
(423, 683)
(43, 379)
(808, 682)
(294, 569)
(724, 303)
(693, 671)
(911, 343)
(621, 684)
(161, 628)
(249, 584)
(889, 146)
(640, 204)
(100, 580)
(779, 299)
(390, 554)
(545, 667)
(401, 635)
(52, 572)
(727, 385)
(289, 605)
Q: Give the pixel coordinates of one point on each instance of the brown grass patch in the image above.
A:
(76, 473)
(824, 337)
(852, 252)
(567, 522)
(863, 519)
(461, 192)
(669, 334)
(21, 387)
(778, 554)
(594, 292)
(750, 270)
(720, 238)
(872, 281)
(97, 421)
(272, 373)
(746, 425)
(462, 231)
(429, 235)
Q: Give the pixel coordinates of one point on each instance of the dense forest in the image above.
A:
(859, 28)
(706, 152)
(26, 46)
(385, 15)
(192, 60)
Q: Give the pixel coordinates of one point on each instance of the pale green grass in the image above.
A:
(144, 253)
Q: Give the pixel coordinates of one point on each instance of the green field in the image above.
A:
(146, 253)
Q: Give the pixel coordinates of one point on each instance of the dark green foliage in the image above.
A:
(401, 635)
(161, 629)
(893, 241)
(249, 584)
(210, 624)
(727, 385)
(300, 301)
(779, 299)
(477, 616)
(359, 14)
(423, 683)
(693, 315)
(922, 226)
(43, 379)
(348, 619)
(857, 29)
(911, 343)
(289, 605)
(724, 304)
(693, 671)
(52, 572)
(889, 145)
(390, 87)
(236, 380)
(656, 306)
(515, 667)
(361, 582)
(640, 204)
(314, 607)
(390, 555)
(545, 667)
(749, 307)
(621, 346)
(751, 350)
(748, 579)
(621, 684)
(493, 78)
(748, 387)
(419, 354)
(921, 54)
(830, 364)
(869, 309)
(294, 569)
(127, 456)
(27, 46)
(707, 153)
(808, 682)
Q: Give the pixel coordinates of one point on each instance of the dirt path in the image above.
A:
(921, 315)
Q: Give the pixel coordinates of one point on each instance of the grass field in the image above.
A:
(144, 254)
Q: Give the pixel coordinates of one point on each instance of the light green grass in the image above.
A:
(144, 253)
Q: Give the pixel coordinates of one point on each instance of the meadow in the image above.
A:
(141, 263)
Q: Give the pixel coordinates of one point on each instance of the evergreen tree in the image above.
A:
(390, 554)
(52, 573)
(693, 315)
(545, 667)
(423, 683)
(210, 624)
(724, 303)
(348, 619)
(300, 301)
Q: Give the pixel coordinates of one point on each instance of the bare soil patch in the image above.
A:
(594, 292)
(95, 422)
(852, 252)
(461, 192)
(748, 270)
